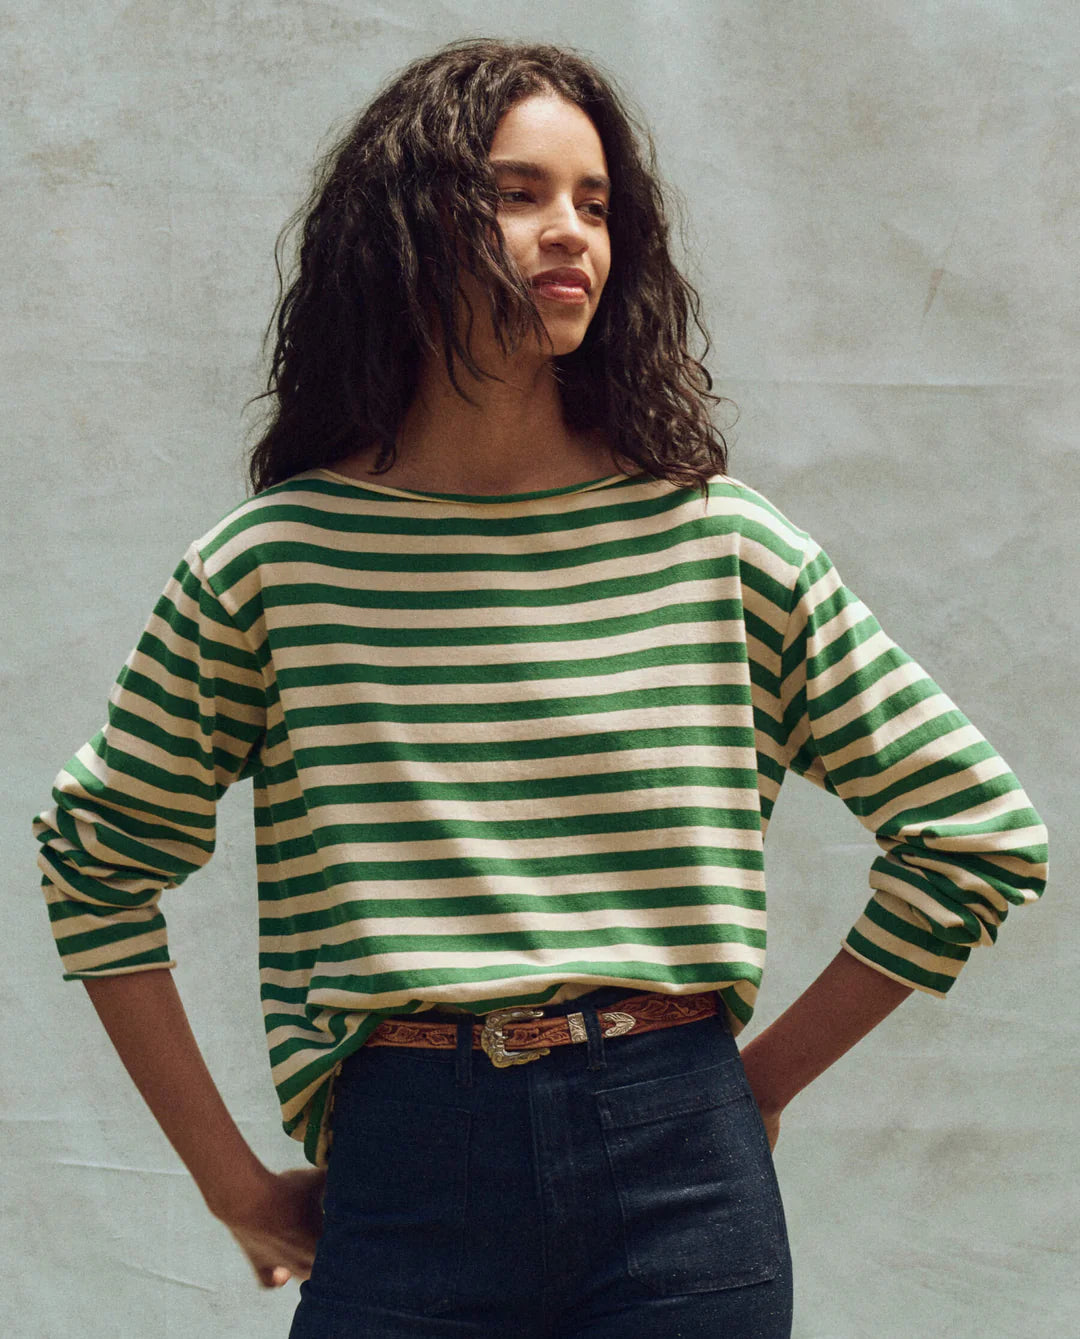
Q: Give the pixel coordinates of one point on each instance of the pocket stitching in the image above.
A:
(759, 1271)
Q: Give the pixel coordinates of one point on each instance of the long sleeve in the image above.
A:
(134, 809)
(960, 840)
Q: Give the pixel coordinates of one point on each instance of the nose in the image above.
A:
(564, 226)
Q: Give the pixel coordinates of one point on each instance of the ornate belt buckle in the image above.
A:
(493, 1042)
(621, 1024)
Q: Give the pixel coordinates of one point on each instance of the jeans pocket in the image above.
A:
(394, 1210)
(697, 1190)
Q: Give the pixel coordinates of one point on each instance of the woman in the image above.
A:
(517, 671)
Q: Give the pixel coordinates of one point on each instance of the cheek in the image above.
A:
(604, 272)
(516, 247)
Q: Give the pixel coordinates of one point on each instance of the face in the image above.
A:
(551, 174)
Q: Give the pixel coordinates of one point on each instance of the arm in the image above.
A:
(275, 1218)
(846, 1002)
(960, 843)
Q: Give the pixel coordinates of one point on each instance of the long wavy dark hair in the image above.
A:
(402, 200)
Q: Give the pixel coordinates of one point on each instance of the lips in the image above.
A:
(562, 278)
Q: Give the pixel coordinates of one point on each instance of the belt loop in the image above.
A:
(721, 1012)
(597, 1060)
(463, 1064)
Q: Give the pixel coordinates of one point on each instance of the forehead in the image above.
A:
(548, 129)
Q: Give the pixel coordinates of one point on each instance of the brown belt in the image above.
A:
(514, 1036)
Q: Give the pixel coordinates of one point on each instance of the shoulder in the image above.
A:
(293, 515)
(307, 498)
(763, 527)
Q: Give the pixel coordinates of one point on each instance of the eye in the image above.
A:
(508, 196)
(598, 208)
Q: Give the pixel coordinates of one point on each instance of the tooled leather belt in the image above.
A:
(515, 1036)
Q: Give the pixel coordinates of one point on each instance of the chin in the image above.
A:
(565, 341)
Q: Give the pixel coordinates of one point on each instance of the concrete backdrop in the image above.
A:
(881, 204)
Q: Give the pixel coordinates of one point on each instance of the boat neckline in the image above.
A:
(493, 498)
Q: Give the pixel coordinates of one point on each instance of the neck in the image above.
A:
(512, 440)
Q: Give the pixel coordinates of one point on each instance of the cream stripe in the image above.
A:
(182, 688)
(79, 925)
(606, 529)
(141, 791)
(893, 976)
(841, 623)
(488, 811)
(188, 607)
(903, 676)
(540, 689)
(497, 615)
(499, 886)
(573, 724)
(992, 808)
(100, 957)
(455, 547)
(976, 889)
(374, 964)
(584, 845)
(928, 751)
(942, 789)
(177, 764)
(532, 769)
(935, 912)
(536, 653)
(511, 922)
(900, 948)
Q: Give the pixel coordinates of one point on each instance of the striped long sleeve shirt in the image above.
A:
(506, 750)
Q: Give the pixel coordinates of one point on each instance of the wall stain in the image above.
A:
(70, 164)
(935, 280)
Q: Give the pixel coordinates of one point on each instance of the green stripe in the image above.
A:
(543, 788)
(134, 856)
(184, 709)
(957, 802)
(654, 820)
(90, 891)
(100, 797)
(907, 971)
(587, 592)
(914, 934)
(954, 764)
(114, 934)
(430, 677)
(531, 709)
(738, 1006)
(509, 634)
(283, 511)
(881, 714)
(179, 746)
(947, 895)
(153, 957)
(562, 904)
(511, 942)
(519, 750)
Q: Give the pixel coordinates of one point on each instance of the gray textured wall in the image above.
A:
(882, 220)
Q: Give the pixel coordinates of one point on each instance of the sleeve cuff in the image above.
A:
(928, 972)
(124, 969)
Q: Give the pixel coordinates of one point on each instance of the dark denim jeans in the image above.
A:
(621, 1189)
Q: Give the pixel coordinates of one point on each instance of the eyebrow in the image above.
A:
(520, 167)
